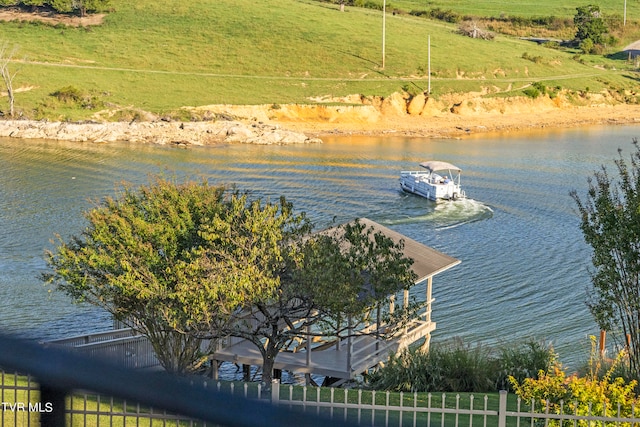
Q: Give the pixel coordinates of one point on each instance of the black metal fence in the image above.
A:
(43, 394)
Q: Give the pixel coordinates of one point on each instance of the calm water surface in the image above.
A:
(524, 264)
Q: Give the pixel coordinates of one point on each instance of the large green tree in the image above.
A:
(329, 284)
(183, 263)
(352, 271)
(589, 24)
(175, 261)
(610, 222)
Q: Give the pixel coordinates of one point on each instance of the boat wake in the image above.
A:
(448, 214)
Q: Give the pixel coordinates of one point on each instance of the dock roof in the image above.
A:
(427, 262)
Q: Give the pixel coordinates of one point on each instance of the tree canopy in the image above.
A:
(330, 281)
(589, 24)
(175, 261)
(610, 223)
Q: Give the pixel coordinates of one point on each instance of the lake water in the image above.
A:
(524, 269)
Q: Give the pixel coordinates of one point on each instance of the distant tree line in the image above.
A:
(80, 7)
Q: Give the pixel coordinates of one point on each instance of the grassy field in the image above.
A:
(498, 8)
(159, 56)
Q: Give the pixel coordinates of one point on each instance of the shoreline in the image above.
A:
(310, 123)
(461, 125)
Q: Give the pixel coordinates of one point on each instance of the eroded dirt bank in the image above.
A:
(450, 117)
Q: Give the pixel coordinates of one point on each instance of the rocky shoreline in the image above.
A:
(158, 132)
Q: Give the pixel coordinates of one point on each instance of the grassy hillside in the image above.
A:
(526, 8)
(161, 55)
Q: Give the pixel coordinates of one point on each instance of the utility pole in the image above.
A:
(429, 64)
(624, 20)
(384, 28)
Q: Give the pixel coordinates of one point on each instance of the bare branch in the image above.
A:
(6, 58)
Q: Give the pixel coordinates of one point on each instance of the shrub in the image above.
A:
(458, 367)
(552, 45)
(555, 391)
(532, 92)
(535, 59)
(69, 94)
(586, 46)
(371, 4)
(445, 15)
(447, 368)
(542, 88)
(523, 361)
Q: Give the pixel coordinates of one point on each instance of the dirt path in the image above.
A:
(51, 18)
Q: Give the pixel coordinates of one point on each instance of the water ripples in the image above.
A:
(524, 263)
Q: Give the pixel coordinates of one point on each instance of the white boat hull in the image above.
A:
(430, 186)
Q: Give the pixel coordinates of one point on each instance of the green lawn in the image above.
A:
(161, 55)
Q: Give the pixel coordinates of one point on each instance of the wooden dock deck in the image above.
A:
(345, 361)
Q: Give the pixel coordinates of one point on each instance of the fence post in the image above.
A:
(275, 391)
(502, 409)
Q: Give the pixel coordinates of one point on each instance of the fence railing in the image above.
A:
(49, 394)
(93, 338)
(372, 408)
(44, 395)
(121, 346)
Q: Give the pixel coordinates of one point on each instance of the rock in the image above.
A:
(159, 132)
(416, 105)
(395, 104)
(239, 134)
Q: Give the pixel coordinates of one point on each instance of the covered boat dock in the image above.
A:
(343, 359)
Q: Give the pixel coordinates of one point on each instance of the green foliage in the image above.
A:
(542, 88)
(535, 59)
(610, 223)
(555, 391)
(184, 262)
(351, 269)
(522, 361)
(174, 261)
(459, 367)
(68, 94)
(587, 46)
(371, 4)
(62, 6)
(590, 24)
(71, 95)
(532, 92)
(443, 15)
(332, 279)
(552, 45)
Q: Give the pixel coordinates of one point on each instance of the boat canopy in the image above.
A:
(435, 165)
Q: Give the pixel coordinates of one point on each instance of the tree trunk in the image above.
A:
(11, 100)
(268, 360)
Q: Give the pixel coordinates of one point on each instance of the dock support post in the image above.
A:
(214, 369)
(246, 373)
